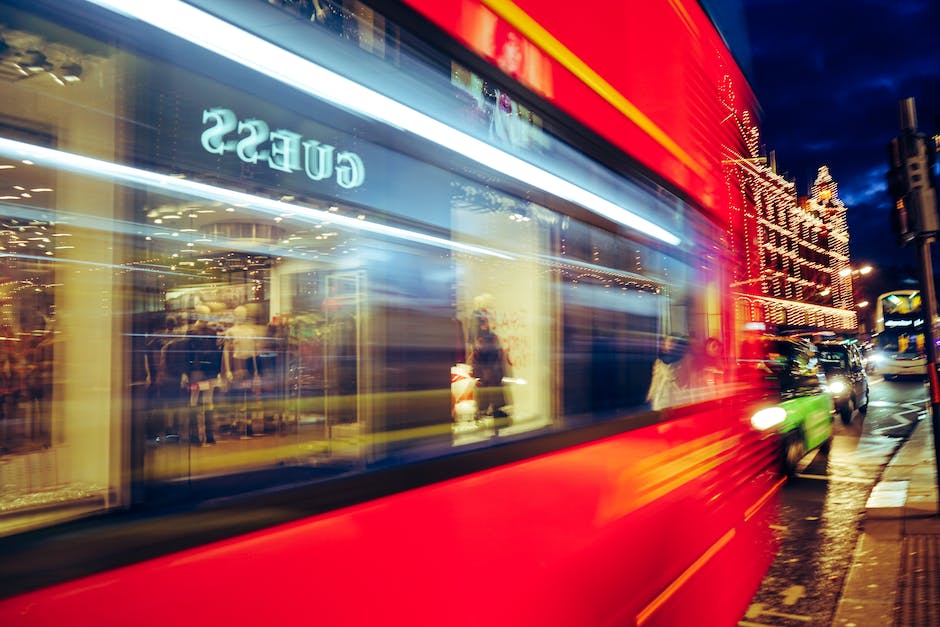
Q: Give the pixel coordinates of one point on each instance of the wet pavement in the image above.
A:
(893, 577)
(823, 514)
(918, 596)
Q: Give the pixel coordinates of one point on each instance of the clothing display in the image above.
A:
(489, 364)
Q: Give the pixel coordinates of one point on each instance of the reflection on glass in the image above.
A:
(174, 317)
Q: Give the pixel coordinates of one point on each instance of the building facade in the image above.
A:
(797, 274)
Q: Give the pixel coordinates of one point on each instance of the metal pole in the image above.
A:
(910, 184)
(928, 291)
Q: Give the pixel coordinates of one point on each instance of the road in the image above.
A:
(820, 509)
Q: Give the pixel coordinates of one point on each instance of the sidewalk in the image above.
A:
(895, 574)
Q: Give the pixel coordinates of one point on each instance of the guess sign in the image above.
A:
(253, 141)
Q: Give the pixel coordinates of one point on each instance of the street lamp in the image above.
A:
(862, 304)
(844, 272)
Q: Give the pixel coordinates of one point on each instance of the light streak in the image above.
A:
(225, 39)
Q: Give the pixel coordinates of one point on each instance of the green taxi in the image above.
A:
(794, 402)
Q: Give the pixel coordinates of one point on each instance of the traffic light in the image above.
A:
(910, 180)
(898, 188)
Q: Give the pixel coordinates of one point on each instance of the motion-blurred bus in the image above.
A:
(354, 313)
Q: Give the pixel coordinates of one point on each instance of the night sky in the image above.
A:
(828, 75)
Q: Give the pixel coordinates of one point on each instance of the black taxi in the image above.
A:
(846, 378)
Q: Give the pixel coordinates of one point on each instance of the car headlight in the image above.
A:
(838, 387)
(768, 418)
(877, 358)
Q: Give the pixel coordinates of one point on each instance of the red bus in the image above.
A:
(243, 246)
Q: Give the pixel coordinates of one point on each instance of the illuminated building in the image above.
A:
(796, 249)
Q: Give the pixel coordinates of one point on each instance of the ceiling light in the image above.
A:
(71, 72)
(33, 61)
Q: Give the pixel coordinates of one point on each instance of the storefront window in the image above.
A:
(504, 307)
(61, 413)
(205, 275)
(29, 240)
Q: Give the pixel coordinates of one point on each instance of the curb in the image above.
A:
(902, 504)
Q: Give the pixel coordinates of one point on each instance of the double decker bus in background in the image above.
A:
(367, 313)
(899, 338)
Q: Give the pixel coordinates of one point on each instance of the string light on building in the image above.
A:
(797, 271)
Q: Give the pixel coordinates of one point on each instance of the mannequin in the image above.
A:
(39, 383)
(488, 361)
(204, 365)
(242, 343)
(165, 366)
(11, 384)
(482, 311)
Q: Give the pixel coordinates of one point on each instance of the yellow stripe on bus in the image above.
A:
(533, 31)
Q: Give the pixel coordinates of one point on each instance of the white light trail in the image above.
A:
(226, 39)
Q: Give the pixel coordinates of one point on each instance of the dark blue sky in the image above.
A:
(829, 75)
